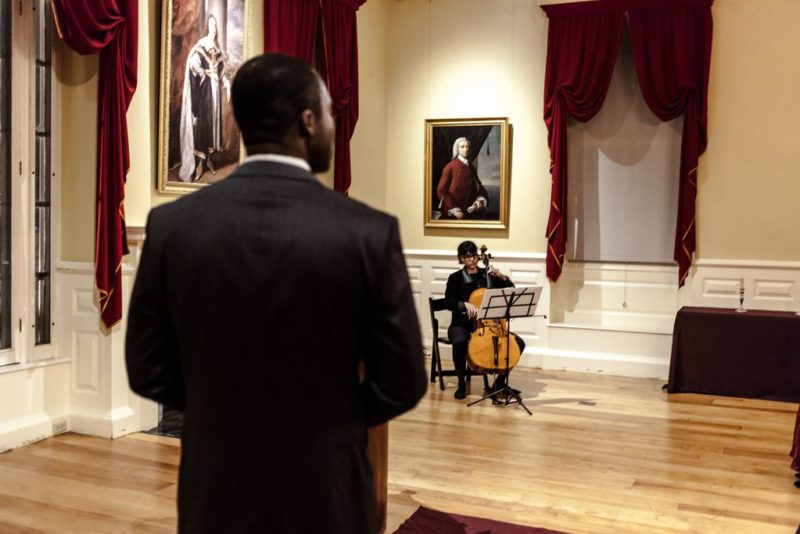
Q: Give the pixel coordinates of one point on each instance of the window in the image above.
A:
(26, 177)
(623, 177)
(5, 176)
(42, 171)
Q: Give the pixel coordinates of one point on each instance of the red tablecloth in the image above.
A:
(717, 351)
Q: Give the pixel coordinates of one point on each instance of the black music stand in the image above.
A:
(507, 303)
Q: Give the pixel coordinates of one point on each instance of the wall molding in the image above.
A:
(768, 285)
(748, 264)
(496, 255)
(20, 367)
(612, 318)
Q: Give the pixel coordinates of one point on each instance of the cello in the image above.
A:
(491, 340)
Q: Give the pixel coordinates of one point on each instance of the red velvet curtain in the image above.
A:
(671, 46)
(341, 52)
(109, 27)
(671, 43)
(290, 28)
(581, 52)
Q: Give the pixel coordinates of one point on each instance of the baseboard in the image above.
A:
(113, 424)
(30, 429)
(596, 362)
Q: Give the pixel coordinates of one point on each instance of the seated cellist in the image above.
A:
(460, 286)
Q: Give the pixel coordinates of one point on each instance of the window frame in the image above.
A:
(23, 348)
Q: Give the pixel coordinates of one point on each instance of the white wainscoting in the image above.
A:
(599, 318)
(605, 318)
(101, 403)
(611, 318)
(614, 318)
(767, 285)
(35, 402)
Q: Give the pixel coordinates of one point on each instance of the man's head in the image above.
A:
(461, 147)
(467, 251)
(282, 106)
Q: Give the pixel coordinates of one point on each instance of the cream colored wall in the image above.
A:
(467, 59)
(143, 119)
(368, 146)
(471, 58)
(80, 96)
(77, 76)
(749, 190)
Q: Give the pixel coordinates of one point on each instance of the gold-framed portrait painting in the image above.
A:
(467, 173)
(203, 43)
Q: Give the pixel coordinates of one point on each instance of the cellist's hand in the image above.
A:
(472, 311)
(497, 274)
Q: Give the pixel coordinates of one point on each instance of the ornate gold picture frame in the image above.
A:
(467, 173)
(203, 43)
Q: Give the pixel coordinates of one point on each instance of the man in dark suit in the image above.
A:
(255, 301)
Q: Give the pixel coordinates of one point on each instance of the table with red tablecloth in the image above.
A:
(795, 452)
(717, 351)
(755, 354)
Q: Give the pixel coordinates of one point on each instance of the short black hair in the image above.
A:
(270, 92)
(466, 248)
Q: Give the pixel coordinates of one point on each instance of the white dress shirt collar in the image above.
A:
(279, 158)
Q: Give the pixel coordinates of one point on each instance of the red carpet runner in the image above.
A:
(427, 521)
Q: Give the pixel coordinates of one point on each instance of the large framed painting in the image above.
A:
(467, 173)
(203, 43)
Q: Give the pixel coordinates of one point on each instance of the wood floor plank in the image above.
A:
(600, 454)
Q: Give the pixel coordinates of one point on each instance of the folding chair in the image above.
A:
(437, 305)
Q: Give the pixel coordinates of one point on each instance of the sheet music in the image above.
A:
(523, 302)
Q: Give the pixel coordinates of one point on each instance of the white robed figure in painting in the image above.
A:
(201, 107)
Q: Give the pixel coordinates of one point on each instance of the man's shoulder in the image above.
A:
(351, 208)
(453, 163)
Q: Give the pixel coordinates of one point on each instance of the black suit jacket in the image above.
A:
(254, 301)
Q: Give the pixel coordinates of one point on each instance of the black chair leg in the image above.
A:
(439, 369)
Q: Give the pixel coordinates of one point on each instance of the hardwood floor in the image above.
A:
(599, 454)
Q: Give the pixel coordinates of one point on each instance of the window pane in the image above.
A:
(44, 33)
(42, 240)
(42, 99)
(5, 174)
(43, 171)
(43, 310)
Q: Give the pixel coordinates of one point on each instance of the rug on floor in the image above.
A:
(427, 521)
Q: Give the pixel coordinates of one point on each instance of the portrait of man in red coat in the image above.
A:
(467, 168)
(460, 190)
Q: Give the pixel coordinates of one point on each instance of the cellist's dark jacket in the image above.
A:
(460, 286)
